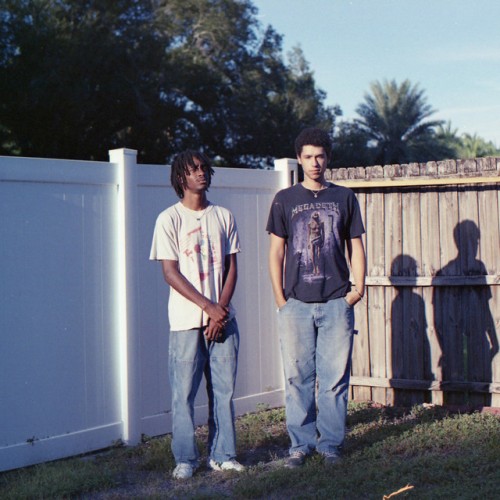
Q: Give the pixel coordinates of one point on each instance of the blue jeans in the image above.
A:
(191, 356)
(316, 342)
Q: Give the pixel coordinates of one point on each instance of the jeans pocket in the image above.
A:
(345, 300)
(279, 309)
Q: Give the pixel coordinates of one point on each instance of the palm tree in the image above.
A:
(394, 119)
(472, 146)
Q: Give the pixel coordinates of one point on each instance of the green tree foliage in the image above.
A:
(466, 145)
(70, 86)
(80, 77)
(449, 136)
(350, 146)
(472, 146)
(394, 118)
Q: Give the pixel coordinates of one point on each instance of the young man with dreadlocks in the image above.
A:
(197, 242)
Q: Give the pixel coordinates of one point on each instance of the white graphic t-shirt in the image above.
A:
(199, 241)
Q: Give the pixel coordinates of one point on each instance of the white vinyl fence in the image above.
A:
(83, 316)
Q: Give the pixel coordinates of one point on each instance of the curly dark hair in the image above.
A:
(180, 168)
(314, 137)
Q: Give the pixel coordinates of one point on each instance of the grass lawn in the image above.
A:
(435, 454)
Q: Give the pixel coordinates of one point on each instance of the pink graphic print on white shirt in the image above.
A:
(197, 247)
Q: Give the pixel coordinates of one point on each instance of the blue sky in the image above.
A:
(450, 48)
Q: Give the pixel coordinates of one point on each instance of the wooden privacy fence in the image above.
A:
(428, 325)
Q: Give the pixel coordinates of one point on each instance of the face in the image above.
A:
(314, 161)
(197, 177)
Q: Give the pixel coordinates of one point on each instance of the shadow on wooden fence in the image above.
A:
(428, 327)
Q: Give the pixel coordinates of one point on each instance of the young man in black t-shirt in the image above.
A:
(311, 224)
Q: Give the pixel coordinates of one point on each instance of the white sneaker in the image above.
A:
(231, 464)
(183, 471)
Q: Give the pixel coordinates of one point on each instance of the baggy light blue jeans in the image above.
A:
(191, 356)
(316, 342)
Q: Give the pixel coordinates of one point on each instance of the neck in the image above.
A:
(195, 201)
(314, 185)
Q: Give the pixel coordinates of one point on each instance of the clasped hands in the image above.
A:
(217, 320)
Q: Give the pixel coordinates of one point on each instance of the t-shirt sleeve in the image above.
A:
(356, 228)
(233, 240)
(276, 221)
(165, 245)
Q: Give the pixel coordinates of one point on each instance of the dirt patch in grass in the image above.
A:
(385, 449)
(135, 482)
(146, 470)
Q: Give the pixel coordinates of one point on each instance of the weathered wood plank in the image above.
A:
(495, 340)
(433, 281)
(375, 234)
(376, 267)
(398, 348)
(489, 225)
(489, 244)
(413, 311)
(402, 183)
(473, 300)
(446, 300)
(429, 210)
(433, 356)
(361, 347)
(394, 265)
(430, 385)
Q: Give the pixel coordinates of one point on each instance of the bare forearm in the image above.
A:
(214, 329)
(358, 264)
(230, 278)
(276, 266)
(277, 284)
(179, 283)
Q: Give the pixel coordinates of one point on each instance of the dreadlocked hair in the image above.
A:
(180, 169)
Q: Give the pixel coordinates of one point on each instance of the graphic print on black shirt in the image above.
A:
(315, 231)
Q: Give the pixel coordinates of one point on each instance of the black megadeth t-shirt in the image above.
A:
(315, 229)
